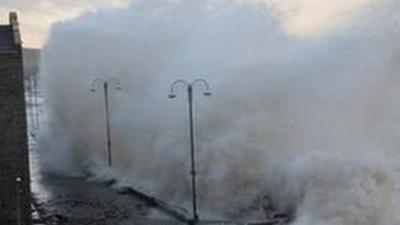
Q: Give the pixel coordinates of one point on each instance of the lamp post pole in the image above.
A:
(192, 153)
(192, 137)
(106, 84)
(105, 87)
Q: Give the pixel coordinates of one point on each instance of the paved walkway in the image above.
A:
(75, 201)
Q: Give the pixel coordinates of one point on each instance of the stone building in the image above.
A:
(14, 163)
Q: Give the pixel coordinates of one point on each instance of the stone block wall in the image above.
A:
(14, 161)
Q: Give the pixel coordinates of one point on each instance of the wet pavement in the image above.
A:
(76, 201)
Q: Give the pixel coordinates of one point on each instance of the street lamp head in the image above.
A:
(207, 93)
(92, 89)
(118, 88)
(172, 95)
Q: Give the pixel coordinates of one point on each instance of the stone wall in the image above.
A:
(14, 161)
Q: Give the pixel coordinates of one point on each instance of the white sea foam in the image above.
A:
(275, 96)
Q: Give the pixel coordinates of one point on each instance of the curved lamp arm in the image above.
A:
(172, 91)
(96, 83)
(206, 85)
(115, 82)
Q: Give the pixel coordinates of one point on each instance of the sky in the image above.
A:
(303, 18)
(37, 16)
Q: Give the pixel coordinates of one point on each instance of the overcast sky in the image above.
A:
(305, 18)
(37, 16)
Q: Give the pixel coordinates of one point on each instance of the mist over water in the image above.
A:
(312, 122)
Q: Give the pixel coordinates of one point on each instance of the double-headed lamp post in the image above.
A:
(172, 94)
(106, 84)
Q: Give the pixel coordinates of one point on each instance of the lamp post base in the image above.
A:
(194, 221)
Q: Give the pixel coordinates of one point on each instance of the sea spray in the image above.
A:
(277, 97)
(332, 189)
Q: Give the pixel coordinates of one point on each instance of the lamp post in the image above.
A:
(106, 84)
(172, 94)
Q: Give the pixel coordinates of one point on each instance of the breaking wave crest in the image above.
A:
(275, 96)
